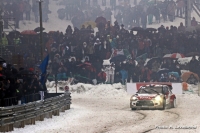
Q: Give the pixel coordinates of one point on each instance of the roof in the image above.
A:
(157, 85)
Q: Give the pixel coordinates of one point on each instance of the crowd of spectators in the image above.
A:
(68, 51)
(141, 14)
(80, 53)
(18, 85)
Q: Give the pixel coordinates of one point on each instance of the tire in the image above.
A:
(133, 108)
(164, 104)
(173, 105)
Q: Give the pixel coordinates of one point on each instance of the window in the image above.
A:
(165, 90)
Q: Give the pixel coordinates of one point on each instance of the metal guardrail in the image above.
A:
(14, 100)
(20, 115)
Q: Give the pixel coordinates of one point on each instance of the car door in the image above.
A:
(172, 96)
(167, 94)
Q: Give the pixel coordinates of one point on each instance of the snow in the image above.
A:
(105, 108)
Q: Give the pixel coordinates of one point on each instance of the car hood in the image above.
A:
(146, 96)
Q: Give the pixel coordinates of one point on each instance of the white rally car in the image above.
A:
(153, 97)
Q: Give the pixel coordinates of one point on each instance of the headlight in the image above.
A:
(158, 98)
(134, 98)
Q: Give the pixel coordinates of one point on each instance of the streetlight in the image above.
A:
(41, 28)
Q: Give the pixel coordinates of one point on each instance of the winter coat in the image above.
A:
(104, 49)
(181, 28)
(97, 47)
(85, 50)
(102, 76)
(141, 45)
(97, 65)
(4, 41)
(165, 65)
(194, 23)
(113, 44)
(111, 70)
(193, 66)
(19, 90)
(90, 49)
(17, 41)
(155, 66)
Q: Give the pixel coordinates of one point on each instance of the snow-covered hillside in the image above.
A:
(55, 24)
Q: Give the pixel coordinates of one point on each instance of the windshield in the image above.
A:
(150, 90)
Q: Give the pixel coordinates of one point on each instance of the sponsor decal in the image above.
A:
(145, 98)
(138, 85)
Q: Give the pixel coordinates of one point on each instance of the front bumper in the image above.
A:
(146, 104)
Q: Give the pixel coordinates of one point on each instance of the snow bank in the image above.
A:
(101, 90)
(51, 86)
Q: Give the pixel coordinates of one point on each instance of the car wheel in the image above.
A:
(164, 104)
(173, 105)
(133, 108)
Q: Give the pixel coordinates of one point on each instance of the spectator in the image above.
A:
(194, 22)
(181, 28)
(124, 75)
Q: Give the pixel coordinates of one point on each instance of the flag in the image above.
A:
(125, 52)
(43, 68)
(44, 64)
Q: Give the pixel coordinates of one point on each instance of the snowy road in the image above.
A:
(115, 116)
(103, 108)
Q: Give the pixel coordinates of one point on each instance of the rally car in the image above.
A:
(153, 97)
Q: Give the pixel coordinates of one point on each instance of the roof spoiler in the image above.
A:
(170, 86)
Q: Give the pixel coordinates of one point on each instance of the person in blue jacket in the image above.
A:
(124, 75)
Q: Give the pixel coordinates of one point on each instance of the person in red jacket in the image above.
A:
(101, 76)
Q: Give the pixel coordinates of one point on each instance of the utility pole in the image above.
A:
(41, 28)
(1, 31)
(188, 8)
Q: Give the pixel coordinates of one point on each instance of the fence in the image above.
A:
(26, 114)
(14, 100)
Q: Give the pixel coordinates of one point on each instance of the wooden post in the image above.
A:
(33, 121)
